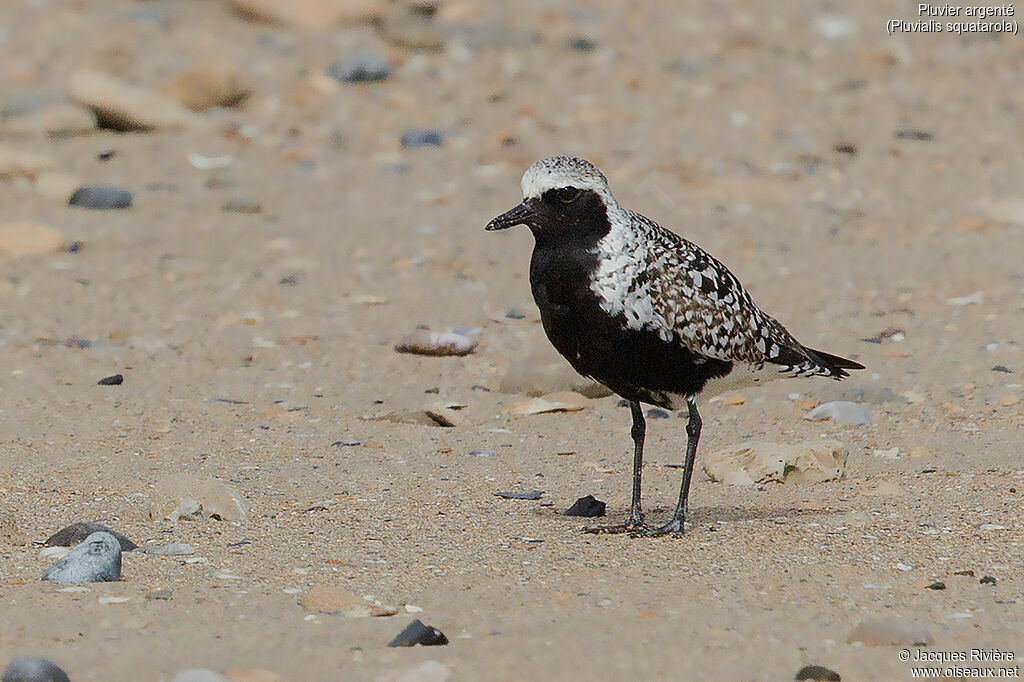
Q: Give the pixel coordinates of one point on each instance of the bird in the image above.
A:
(643, 311)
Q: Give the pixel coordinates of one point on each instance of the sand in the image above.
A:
(719, 120)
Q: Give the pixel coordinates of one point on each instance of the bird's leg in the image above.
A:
(676, 525)
(635, 522)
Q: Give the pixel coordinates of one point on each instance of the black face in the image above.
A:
(565, 213)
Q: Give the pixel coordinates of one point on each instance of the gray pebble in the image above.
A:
(101, 198)
(77, 532)
(31, 669)
(98, 559)
(421, 137)
(841, 412)
(172, 549)
(364, 66)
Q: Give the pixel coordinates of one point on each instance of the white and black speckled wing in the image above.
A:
(685, 295)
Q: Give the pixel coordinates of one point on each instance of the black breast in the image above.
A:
(636, 364)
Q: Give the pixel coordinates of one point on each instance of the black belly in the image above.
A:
(637, 364)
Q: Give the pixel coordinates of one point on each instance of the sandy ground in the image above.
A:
(718, 120)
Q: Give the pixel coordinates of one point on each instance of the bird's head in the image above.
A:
(562, 195)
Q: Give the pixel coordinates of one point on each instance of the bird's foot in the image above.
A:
(634, 524)
(673, 528)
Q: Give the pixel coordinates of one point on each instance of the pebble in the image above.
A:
(1008, 400)
(417, 633)
(657, 413)
(125, 107)
(112, 380)
(817, 672)
(914, 134)
(199, 675)
(937, 585)
(213, 82)
(184, 496)
(250, 206)
(100, 198)
(97, 559)
(563, 401)
(532, 495)
(29, 239)
(426, 342)
(421, 137)
(581, 44)
(32, 669)
(977, 297)
(762, 462)
(889, 632)
(1002, 368)
(586, 506)
(841, 412)
(113, 600)
(76, 533)
(363, 66)
(990, 526)
(987, 580)
(159, 595)
(428, 671)
(332, 601)
(170, 549)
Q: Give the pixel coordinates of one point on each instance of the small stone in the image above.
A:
(124, 107)
(532, 495)
(914, 134)
(586, 506)
(332, 601)
(900, 566)
(845, 148)
(967, 572)
(987, 580)
(364, 66)
(937, 585)
(889, 632)
(113, 600)
(841, 412)
(112, 380)
(29, 239)
(581, 44)
(1008, 400)
(762, 462)
(656, 413)
(426, 342)
(159, 595)
(990, 526)
(76, 533)
(199, 675)
(1002, 368)
(817, 672)
(184, 496)
(97, 559)
(213, 82)
(421, 137)
(170, 549)
(418, 633)
(250, 206)
(100, 198)
(482, 453)
(563, 401)
(977, 297)
(32, 669)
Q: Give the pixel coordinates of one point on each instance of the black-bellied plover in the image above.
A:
(650, 315)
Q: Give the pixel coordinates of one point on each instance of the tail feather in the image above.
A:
(834, 364)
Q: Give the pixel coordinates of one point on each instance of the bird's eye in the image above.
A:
(564, 195)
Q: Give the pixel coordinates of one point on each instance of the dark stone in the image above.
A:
(515, 314)
(101, 198)
(586, 506)
(364, 66)
(581, 44)
(817, 672)
(936, 586)
(77, 532)
(347, 443)
(31, 669)
(968, 572)
(418, 633)
(845, 148)
(914, 134)
(1003, 369)
(112, 380)
(656, 413)
(532, 495)
(421, 137)
(987, 580)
